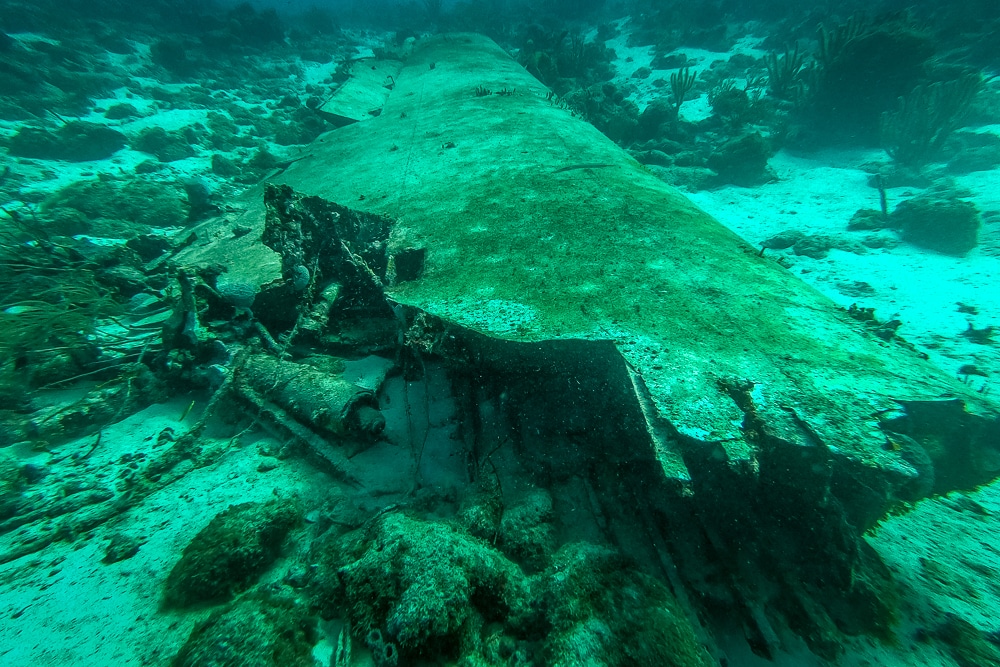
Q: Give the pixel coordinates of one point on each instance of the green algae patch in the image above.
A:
(259, 631)
(76, 141)
(602, 611)
(104, 200)
(228, 555)
(430, 586)
(166, 146)
(429, 589)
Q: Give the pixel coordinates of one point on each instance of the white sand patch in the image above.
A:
(944, 545)
(818, 195)
(64, 606)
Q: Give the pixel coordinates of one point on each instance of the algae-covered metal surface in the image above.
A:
(537, 227)
(362, 96)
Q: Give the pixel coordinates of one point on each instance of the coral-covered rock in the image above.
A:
(604, 612)
(76, 141)
(262, 631)
(743, 161)
(941, 220)
(132, 202)
(428, 585)
(228, 555)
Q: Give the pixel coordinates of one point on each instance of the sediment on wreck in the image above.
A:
(681, 397)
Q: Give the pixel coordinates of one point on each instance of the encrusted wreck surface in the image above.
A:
(724, 423)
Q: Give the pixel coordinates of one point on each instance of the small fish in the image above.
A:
(586, 165)
(187, 411)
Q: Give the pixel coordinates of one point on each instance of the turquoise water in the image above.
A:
(501, 333)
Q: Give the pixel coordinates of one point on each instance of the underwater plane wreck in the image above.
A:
(577, 325)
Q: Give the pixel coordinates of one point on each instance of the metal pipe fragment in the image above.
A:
(324, 401)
